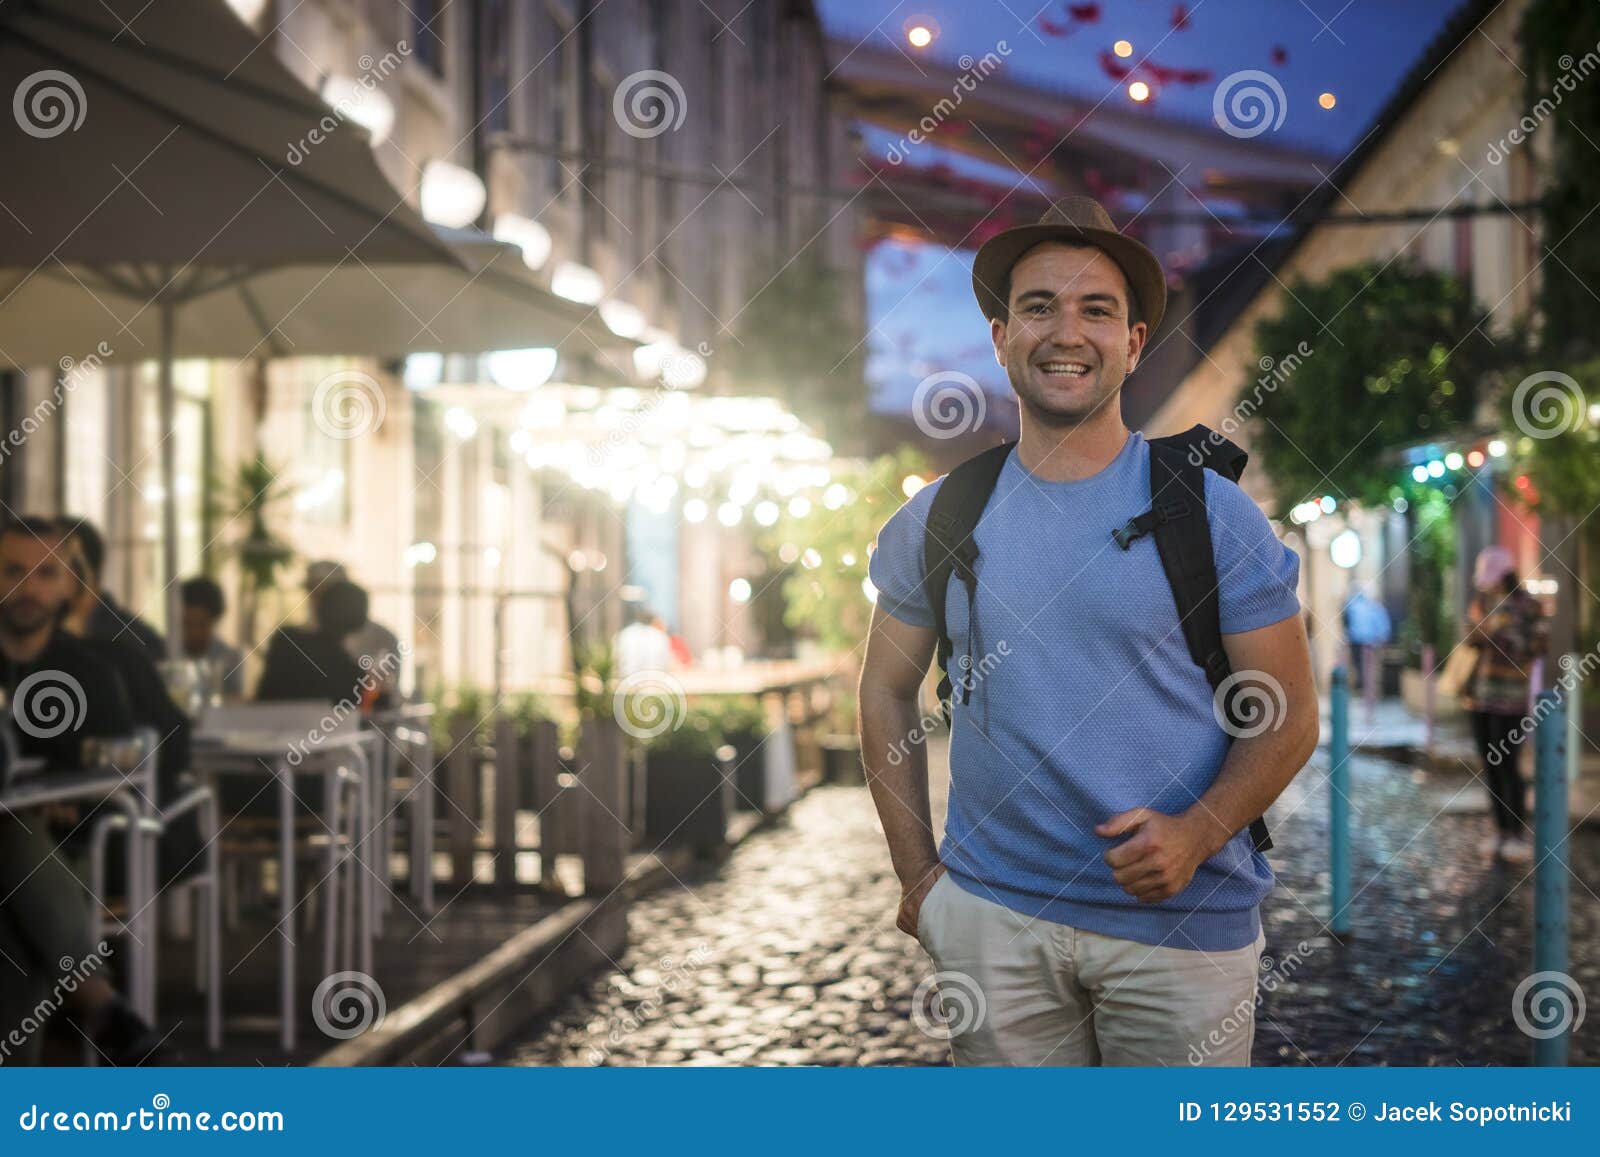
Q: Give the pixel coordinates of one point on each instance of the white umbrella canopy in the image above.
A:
(164, 196)
(484, 299)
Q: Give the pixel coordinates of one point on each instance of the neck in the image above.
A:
(1067, 452)
(24, 648)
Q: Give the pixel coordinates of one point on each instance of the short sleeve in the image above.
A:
(1257, 575)
(896, 564)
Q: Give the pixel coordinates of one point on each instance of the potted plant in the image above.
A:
(688, 789)
(741, 723)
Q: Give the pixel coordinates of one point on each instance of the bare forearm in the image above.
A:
(1253, 775)
(897, 774)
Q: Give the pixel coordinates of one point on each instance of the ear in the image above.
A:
(1137, 332)
(997, 335)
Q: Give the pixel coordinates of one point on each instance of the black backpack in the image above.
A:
(1177, 519)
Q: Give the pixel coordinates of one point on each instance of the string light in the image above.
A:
(1139, 91)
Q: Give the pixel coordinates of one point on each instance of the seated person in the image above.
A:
(60, 692)
(311, 662)
(108, 618)
(203, 607)
(151, 707)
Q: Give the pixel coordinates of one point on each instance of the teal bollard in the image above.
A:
(1550, 878)
(1339, 803)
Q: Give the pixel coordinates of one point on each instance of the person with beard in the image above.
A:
(60, 693)
(1098, 884)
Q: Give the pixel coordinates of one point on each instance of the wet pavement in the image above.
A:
(787, 954)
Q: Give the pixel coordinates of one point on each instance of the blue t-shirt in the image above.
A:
(1084, 700)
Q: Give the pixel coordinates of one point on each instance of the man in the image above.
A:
(642, 645)
(373, 645)
(60, 693)
(203, 608)
(108, 618)
(1097, 881)
(314, 662)
(1366, 625)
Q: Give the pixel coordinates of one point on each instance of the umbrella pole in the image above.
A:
(167, 402)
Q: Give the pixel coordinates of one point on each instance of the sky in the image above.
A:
(921, 314)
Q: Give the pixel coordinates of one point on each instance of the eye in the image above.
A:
(1099, 311)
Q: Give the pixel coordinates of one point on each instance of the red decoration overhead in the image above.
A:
(1280, 54)
(1180, 17)
(1113, 67)
(1084, 13)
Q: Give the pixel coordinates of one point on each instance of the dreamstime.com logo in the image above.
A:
(73, 372)
(1573, 672)
(648, 103)
(1548, 404)
(649, 703)
(1548, 1004)
(374, 675)
(1274, 974)
(347, 404)
(925, 726)
(673, 973)
(1571, 73)
(1248, 103)
(73, 973)
(160, 1117)
(49, 703)
(972, 72)
(1274, 372)
(348, 105)
(947, 404)
(49, 103)
(1249, 703)
(948, 1004)
(347, 1004)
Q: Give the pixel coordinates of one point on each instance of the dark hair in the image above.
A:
(92, 541)
(204, 594)
(1135, 309)
(43, 529)
(341, 608)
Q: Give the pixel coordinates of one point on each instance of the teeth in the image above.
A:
(1065, 369)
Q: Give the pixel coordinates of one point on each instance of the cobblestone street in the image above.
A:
(787, 953)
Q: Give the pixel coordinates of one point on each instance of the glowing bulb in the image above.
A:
(1453, 461)
(1497, 449)
(1419, 473)
(1327, 100)
(920, 36)
(1123, 48)
(1139, 91)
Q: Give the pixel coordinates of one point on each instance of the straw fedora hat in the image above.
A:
(1080, 220)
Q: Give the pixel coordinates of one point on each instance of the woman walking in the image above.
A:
(1507, 627)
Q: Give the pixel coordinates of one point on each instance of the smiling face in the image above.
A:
(1067, 343)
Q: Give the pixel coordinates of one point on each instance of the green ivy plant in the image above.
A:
(1360, 363)
(827, 601)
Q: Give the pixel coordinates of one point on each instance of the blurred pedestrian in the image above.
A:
(203, 608)
(1507, 627)
(1366, 625)
(642, 645)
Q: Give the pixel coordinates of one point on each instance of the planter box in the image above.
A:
(750, 770)
(841, 760)
(688, 800)
(1413, 694)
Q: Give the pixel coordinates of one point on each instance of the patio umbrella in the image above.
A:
(165, 195)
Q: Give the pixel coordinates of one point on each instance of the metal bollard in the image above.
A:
(1339, 803)
(1550, 861)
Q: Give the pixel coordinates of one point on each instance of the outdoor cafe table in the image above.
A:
(31, 786)
(245, 753)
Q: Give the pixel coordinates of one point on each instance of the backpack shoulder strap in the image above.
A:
(948, 547)
(1182, 530)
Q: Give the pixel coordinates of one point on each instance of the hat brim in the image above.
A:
(991, 268)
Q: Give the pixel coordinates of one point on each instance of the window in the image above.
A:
(427, 33)
(494, 50)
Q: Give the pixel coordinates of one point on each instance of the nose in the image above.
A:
(1066, 330)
